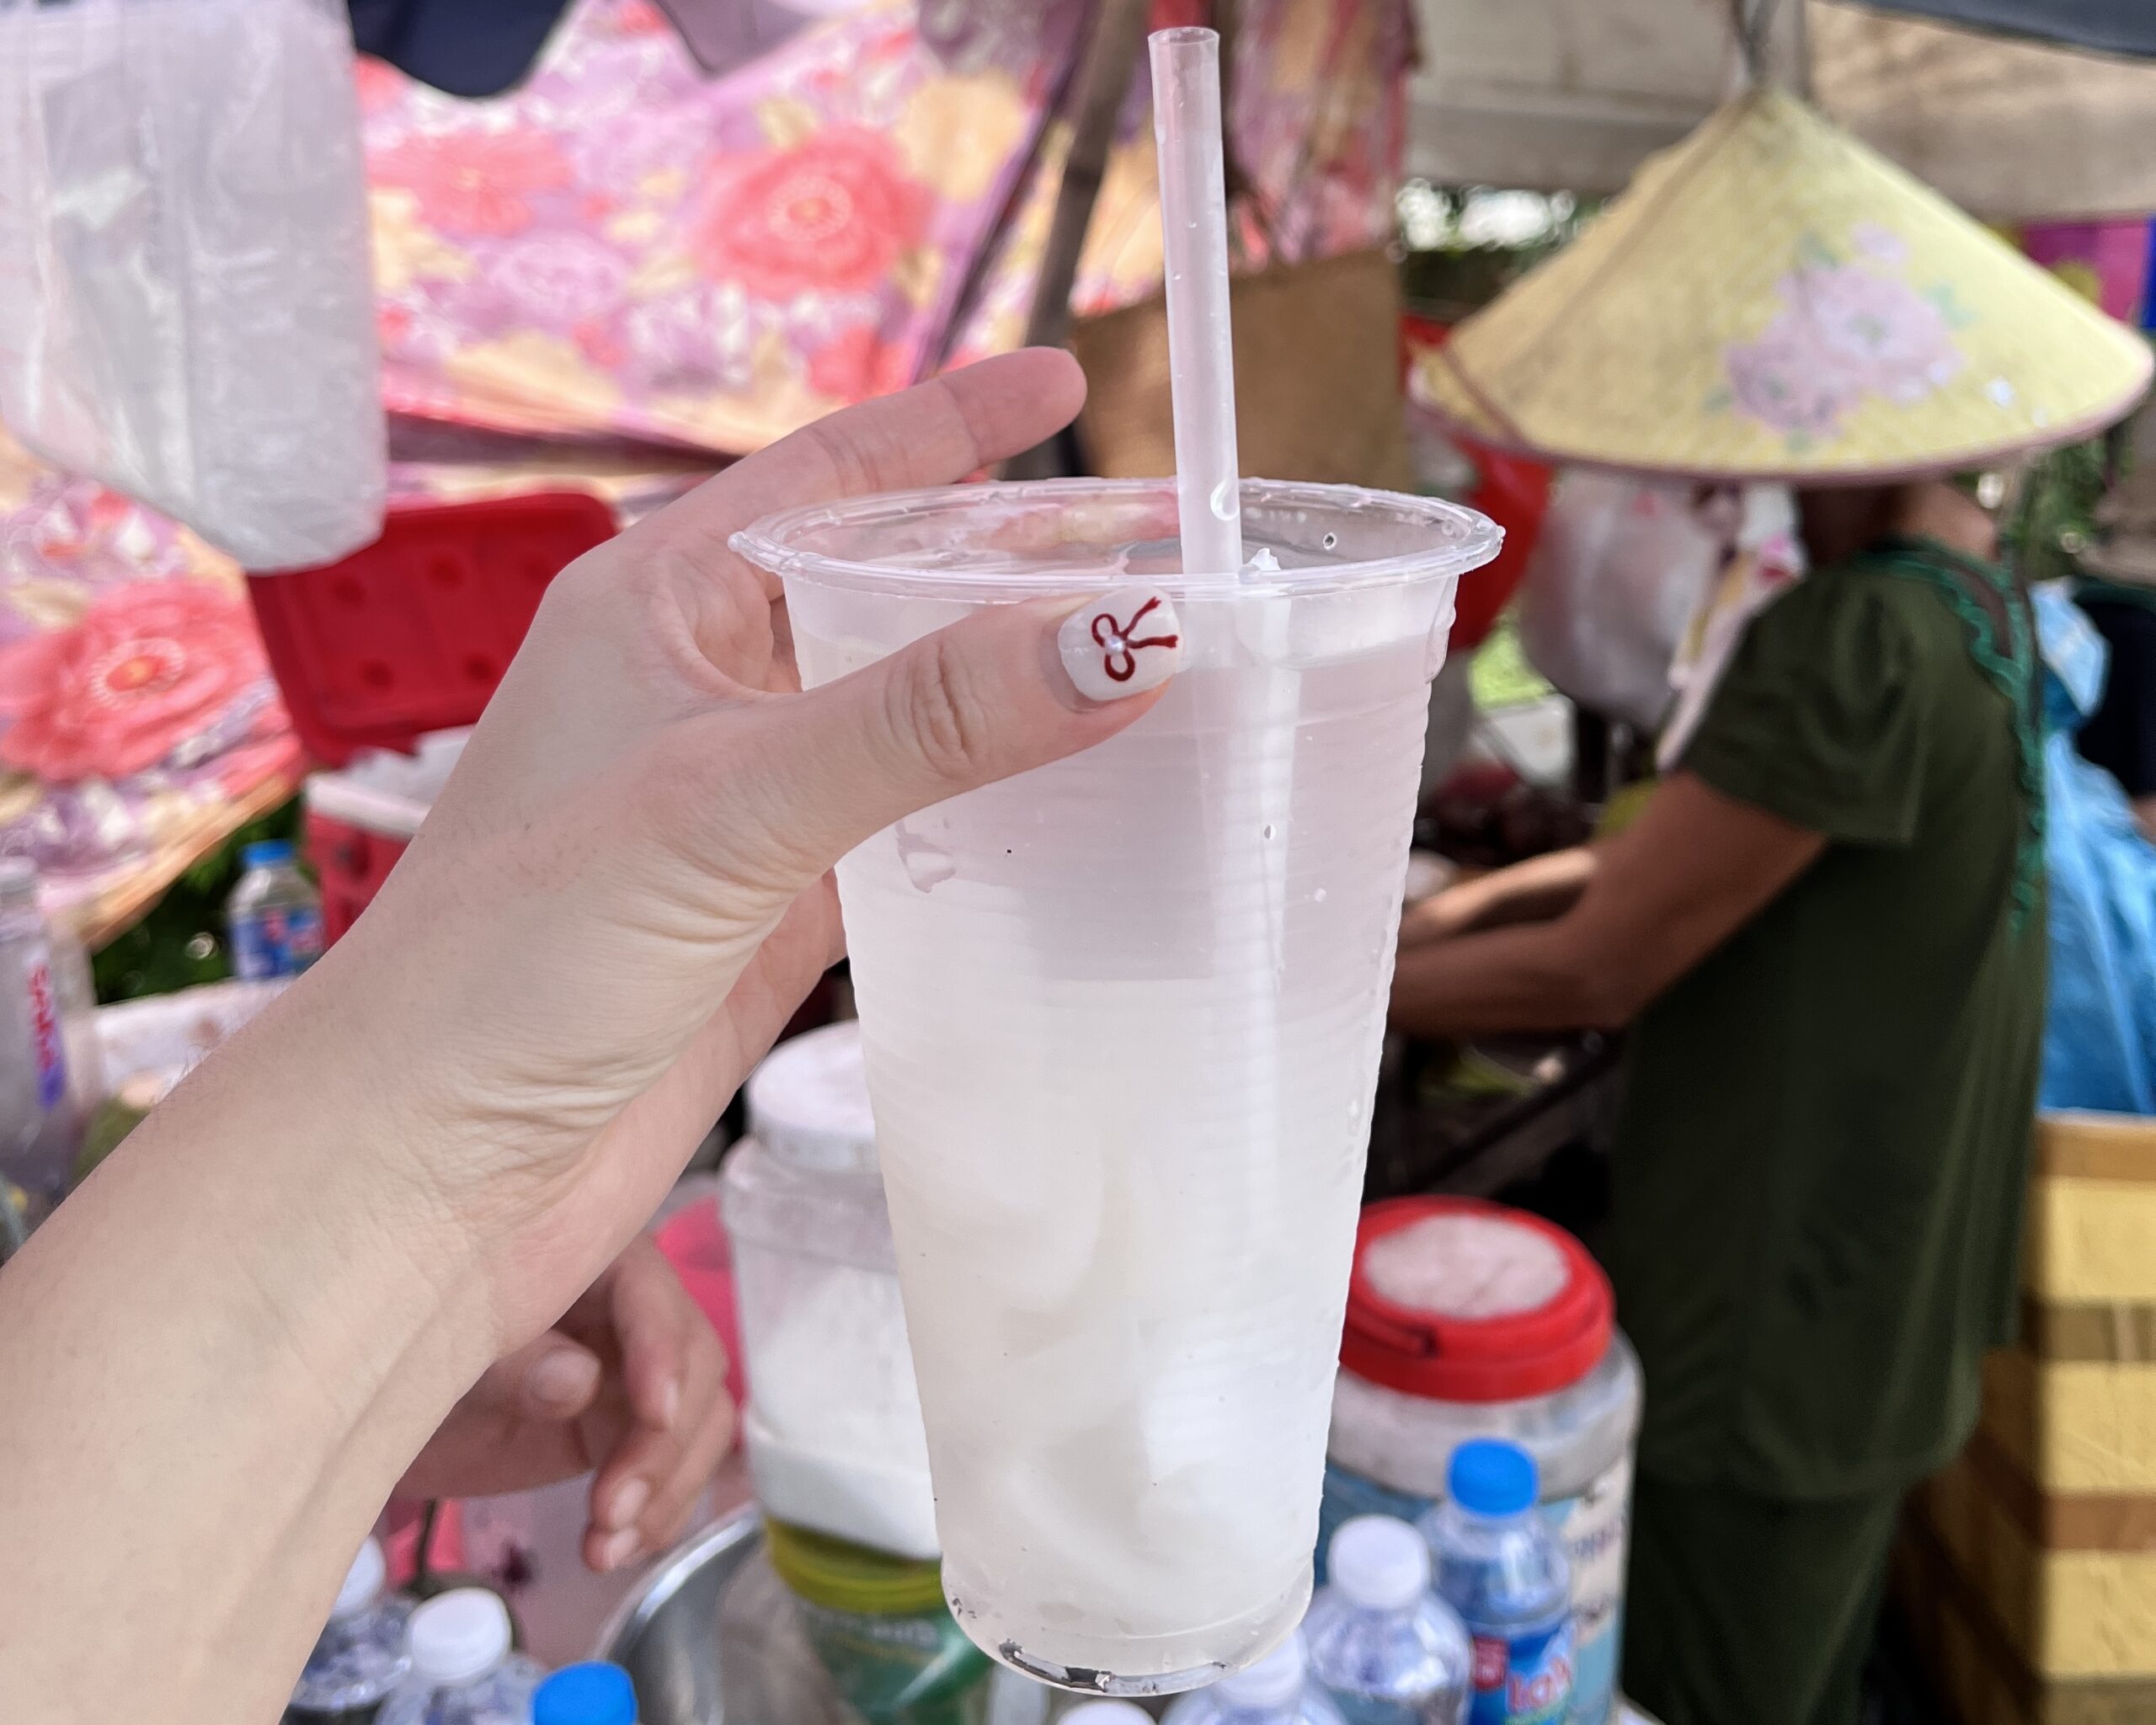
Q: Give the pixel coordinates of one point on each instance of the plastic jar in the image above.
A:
(880, 1628)
(1470, 1320)
(832, 1426)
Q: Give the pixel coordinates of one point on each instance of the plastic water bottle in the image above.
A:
(1387, 1649)
(1502, 1567)
(1277, 1690)
(463, 1670)
(360, 1656)
(49, 1076)
(593, 1693)
(274, 915)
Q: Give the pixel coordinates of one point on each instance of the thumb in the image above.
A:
(1009, 688)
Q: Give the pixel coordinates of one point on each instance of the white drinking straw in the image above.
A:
(1201, 351)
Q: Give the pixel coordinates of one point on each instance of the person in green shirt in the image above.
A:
(1826, 927)
(1825, 930)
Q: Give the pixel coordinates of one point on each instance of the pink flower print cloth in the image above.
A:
(625, 246)
(138, 721)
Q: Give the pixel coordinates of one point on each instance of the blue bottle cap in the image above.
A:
(593, 1693)
(1490, 1476)
(266, 853)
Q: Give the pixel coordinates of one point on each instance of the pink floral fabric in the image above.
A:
(1850, 330)
(1317, 99)
(625, 245)
(138, 721)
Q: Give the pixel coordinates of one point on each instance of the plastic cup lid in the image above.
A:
(458, 1636)
(1491, 1476)
(1378, 1563)
(809, 1102)
(1274, 1680)
(1107, 1713)
(1460, 1301)
(363, 1582)
(1063, 536)
(593, 1693)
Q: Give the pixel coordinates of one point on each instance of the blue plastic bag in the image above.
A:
(2100, 1039)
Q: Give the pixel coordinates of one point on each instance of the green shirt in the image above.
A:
(1821, 1162)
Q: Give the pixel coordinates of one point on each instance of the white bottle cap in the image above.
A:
(1273, 1681)
(362, 1582)
(458, 1636)
(808, 1102)
(1379, 1563)
(1107, 1713)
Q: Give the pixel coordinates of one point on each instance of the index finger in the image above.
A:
(929, 435)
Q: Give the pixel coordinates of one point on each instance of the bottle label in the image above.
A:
(1596, 1528)
(1594, 1525)
(281, 941)
(1524, 1678)
(48, 1052)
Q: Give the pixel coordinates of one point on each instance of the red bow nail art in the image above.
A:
(1121, 642)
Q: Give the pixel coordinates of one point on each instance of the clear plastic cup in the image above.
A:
(1122, 1018)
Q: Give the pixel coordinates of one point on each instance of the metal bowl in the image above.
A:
(664, 1632)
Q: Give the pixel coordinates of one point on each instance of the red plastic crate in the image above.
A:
(409, 635)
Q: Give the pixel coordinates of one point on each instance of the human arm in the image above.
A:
(1693, 869)
(221, 1354)
(1533, 891)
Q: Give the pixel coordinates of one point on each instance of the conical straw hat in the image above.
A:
(1772, 301)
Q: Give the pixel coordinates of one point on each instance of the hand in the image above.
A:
(632, 1382)
(622, 895)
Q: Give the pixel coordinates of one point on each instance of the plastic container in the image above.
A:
(833, 1427)
(1122, 1018)
(51, 1070)
(879, 1626)
(1502, 1566)
(1277, 1690)
(273, 917)
(1385, 1648)
(463, 1672)
(361, 818)
(1468, 1320)
(596, 1692)
(360, 1656)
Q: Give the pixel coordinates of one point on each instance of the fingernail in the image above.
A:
(617, 1548)
(1122, 644)
(669, 1403)
(563, 1378)
(627, 1502)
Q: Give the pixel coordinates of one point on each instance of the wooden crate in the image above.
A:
(2028, 1568)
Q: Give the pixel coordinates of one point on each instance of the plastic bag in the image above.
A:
(1619, 567)
(186, 306)
(2099, 1038)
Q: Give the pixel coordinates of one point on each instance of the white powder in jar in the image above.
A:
(833, 1428)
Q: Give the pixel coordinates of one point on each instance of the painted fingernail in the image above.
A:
(617, 1548)
(1122, 644)
(628, 1503)
(564, 1379)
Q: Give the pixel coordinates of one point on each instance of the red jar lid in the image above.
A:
(1487, 1344)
